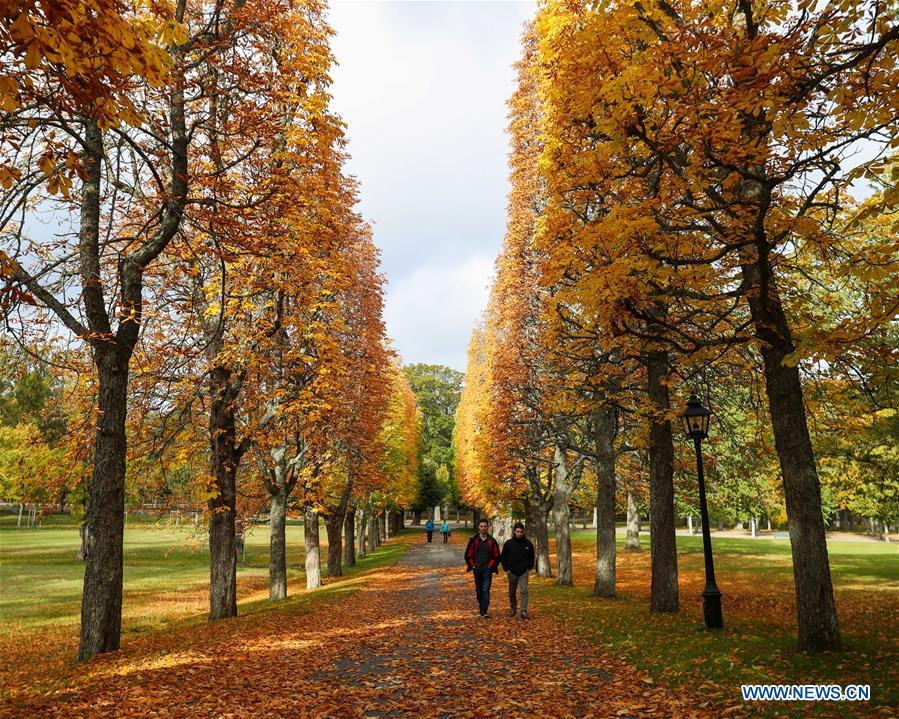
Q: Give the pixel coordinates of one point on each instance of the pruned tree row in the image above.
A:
(703, 201)
(180, 242)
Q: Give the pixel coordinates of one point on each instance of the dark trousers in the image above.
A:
(430, 535)
(445, 537)
(482, 581)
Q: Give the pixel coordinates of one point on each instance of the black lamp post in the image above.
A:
(695, 421)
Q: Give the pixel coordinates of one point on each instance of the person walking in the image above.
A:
(445, 531)
(429, 528)
(482, 558)
(517, 559)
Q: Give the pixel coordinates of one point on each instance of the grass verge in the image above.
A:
(757, 644)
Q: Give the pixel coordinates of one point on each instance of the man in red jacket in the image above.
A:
(482, 558)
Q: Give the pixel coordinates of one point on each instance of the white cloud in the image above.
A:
(435, 306)
(423, 89)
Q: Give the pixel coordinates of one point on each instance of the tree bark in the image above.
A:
(104, 522)
(662, 538)
(82, 550)
(605, 427)
(539, 531)
(349, 537)
(396, 518)
(632, 543)
(416, 517)
(372, 531)
(539, 506)
(815, 607)
(277, 562)
(225, 455)
(101, 602)
(564, 485)
(501, 528)
(280, 482)
(361, 533)
(312, 549)
(334, 526)
(382, 527)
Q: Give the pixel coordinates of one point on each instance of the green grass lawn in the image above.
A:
(166, 572)
(757, 643)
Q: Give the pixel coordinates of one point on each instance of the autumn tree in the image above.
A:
(728, 131)
(72, 86)
(437, 389)
(363, 396)
(402, 440)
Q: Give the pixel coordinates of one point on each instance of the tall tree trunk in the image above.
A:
(334, 526)
(313, 549)
(104, 521)
(563, 487)
(222, 507)
(277, 561)
(539, 531)
(632, 542)
(372, 531)
(501, 528)
(101, 600)
(382, 527)
(815, 608)
(539, 506)
(396, 518)
(349, 537)
(416, 517)
(662, 538)
(605, 428)
(82, 550)
(360, 533)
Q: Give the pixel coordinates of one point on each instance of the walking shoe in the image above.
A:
(523, 615)
(511, 612)
(485, 615)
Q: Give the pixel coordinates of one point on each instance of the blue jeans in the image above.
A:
(482, 581)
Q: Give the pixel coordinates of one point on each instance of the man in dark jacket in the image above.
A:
(482, 558)
(518, 560)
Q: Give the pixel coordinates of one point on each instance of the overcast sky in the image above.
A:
(422, 87)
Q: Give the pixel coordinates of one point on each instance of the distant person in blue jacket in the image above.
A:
(429, 527)
(445, 530)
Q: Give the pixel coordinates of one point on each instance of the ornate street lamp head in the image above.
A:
(695, 420)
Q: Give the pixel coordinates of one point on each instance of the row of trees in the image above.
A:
(437, 389)
(682, 220)
(179, 240)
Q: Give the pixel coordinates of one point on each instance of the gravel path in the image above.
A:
(409, 643)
